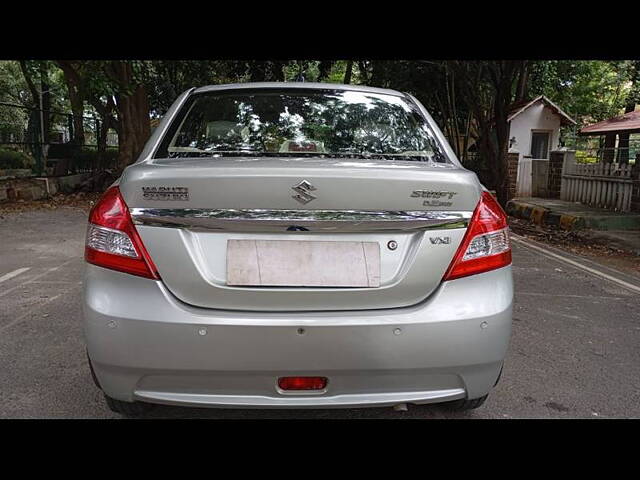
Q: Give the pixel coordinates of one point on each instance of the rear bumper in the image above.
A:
(144, 344)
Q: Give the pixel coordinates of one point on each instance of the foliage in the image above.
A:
(21, 124)
(13, 88)
(169, 78)
(586, 156)
(464, 97)
(588, 90)
(10, 159)
(87, 156)
(42, 73)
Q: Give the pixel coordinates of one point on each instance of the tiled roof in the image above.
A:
(519, 107)
(629, 122)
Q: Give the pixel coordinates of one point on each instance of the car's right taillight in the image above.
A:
(113, 241)
(485, 245)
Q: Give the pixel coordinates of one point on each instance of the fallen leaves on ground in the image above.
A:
(80, 200)
(577, 242)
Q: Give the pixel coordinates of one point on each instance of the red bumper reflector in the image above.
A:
(302, 383)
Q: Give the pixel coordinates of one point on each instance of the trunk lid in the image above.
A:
(187, 210)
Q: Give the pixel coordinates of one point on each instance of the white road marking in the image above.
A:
(528, 244)
(15, 273)
(52, 269)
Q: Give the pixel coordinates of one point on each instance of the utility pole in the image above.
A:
(44, 147)
(41, 160)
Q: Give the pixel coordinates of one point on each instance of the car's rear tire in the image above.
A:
(93, 373)
(131, 409)
(465, 404)
(499, 375)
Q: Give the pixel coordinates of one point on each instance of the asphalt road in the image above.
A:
(574, 350)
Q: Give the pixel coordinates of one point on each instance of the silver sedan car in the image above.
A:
(296, 245)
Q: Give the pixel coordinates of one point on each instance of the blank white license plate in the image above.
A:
(293, 263)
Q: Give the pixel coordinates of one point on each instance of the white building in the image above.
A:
(534, 131)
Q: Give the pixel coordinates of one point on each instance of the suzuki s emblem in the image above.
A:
(303, 189)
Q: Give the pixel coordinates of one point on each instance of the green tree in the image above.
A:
(632, 98)
(589, 90)
(13, 90)
(117, 90)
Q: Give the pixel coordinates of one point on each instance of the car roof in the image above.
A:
(301, 85)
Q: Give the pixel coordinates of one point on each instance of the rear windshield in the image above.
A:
(296, 122)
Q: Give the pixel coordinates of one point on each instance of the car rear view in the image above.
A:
(296, 245)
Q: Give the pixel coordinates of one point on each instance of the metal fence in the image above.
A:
(592, 150)
(23, 140)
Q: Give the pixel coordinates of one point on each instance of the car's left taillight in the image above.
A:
(112, 240)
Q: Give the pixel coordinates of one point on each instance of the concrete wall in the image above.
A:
(536, 117)
(38, 188)
(512, 161)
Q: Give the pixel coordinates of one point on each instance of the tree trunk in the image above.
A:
(452, 121)
(324, 69)
(33, 134)
(502, 75)
(256, 72)
(486, 89)
(502, 187)
(486, 152)
(134, 129)
(29, 81)
(377, 73)
(348, 72)
(107, 119)
(133, 115)
(101, 141)
(46, 101)
(364, 72)
(465, 142)
(522, 89)
(76, 98)
(277, 70)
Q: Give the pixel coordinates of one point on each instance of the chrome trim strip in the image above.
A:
(264, 220)
(344, 400)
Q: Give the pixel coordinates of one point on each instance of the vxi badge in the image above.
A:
(434, 197)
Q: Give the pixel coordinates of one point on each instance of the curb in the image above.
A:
(544, 216)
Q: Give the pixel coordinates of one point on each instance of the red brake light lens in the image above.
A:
(485, 245)
(302, 383)
(112, 240)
